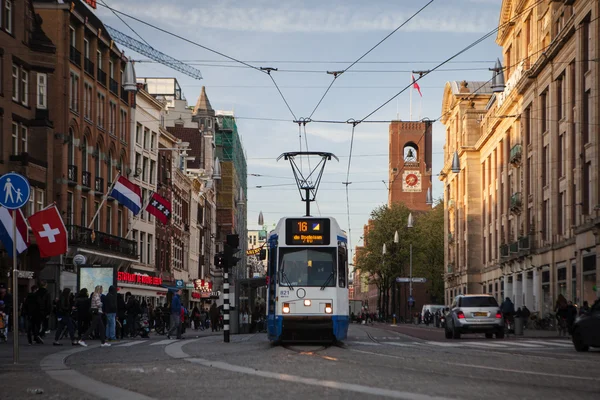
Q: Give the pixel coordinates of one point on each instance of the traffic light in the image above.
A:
(233, 241)
(231, 247)
(220, 260)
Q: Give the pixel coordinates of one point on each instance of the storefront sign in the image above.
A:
(179, 284)
(25, 274)
(203, 285)
(138, 278)
(195, 295)
(91, 3)
(254, 252)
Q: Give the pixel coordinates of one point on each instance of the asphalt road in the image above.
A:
(372, 363)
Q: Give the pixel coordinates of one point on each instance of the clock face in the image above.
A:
(411, 179)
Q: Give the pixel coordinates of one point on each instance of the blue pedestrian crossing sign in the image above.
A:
(14, 191)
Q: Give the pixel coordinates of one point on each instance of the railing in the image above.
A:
(81, 236)
(114, 86)
(88, 66)
(99, 185)
(524, 243)
(504, 250)
(72, 173)
(450, 268)
(514, 247)
(75, 56)
(515, 154)
(101, 77)
(124, 95)
(516, 202)
(86, 179)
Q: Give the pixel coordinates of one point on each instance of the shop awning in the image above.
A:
(137, 290)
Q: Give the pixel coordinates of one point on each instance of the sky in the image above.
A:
(304, 40)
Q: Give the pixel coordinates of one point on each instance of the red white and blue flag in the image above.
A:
(127, 193)
(416, 85)
(6, 231)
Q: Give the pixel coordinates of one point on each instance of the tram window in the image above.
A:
(308, 267)
(342, 267)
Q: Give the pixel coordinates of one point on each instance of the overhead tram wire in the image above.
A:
(126, 24)
(337, 73)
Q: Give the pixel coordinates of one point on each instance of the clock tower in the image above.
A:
(410, 164)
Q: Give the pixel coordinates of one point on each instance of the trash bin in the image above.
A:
(519, 326)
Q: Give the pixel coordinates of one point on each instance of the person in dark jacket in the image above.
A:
(214, 317)
(133, 309)
(8, 305)
(175, 315)
(44, 301)
(30, 310)
(121, 313)
(82, 304)
(111, 308)
(63, 314)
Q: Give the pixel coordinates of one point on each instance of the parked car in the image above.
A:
(474, 314)
(586, 329)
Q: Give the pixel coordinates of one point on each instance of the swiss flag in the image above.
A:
(160, 208)
(50, 232)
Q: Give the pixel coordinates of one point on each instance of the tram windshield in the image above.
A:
(307, 267)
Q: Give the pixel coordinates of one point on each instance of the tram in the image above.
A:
(307, 281)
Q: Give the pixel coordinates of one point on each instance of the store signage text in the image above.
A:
(139, 278)
(203, 285)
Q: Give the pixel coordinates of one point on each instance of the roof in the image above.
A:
(478, 87)
(203, 105)
(194, 137)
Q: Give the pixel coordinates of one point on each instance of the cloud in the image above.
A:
(273, 17)
(344, 135)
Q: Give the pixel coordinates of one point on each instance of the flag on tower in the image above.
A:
(160, 208)
(6, 231)
(416, 85)
(50, 232)
(127, 193)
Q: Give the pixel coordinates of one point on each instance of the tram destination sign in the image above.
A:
(307, 231)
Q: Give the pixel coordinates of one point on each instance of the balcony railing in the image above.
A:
(81, 236)
(101, 77)
(124, 95)
(99, 185)
(504, 250)
(75, 56)
(86, 179)
(114, 86)
(88, 66)
(515, 154)
(524, 243)
(72, 173)
(516, 202)
(514, 247)
(450, 268)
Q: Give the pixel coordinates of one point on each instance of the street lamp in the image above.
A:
(410, 291)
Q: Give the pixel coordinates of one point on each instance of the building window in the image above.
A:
(42, 90)
(99, 59)
(545, 166)
(123, 125)
(15, 82)
(543, 111)
(138, 133)
(120, 223)
(109, 219)
(153, 141)
(8, 15)
(145, 170)
(87, 101)
(100, 110)
(146, 133)
(98, 216)
(142, 247)
(98, 162)
(84, 155)
(84, 211)
(152, 179)
(149, 251)
(24, 86)
(111, 69)
(23, 139)
(74, 93)
(560, 214)
(109, 174)
(69, 208)
(112, 117)
(19, 138)
(72, 37)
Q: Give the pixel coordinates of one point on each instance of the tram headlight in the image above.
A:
(286, 308)
(328, 308)
(307, 303)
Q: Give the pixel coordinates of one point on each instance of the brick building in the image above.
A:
(27, 62)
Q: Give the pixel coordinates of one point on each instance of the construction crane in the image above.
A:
(152, 53)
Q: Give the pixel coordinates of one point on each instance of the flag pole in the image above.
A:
(15, 291)
(411, 90)
(104, 198)
(151, 192)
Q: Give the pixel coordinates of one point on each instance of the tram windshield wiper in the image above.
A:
(285, 278)
(331, 275)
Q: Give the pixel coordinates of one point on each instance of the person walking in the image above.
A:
(111, 308)
(63, 314)
(133, 309)
(44, 301)
(175, 315)
(121, 314)
(8, 306)
(82, 304)
(30, 309)
(96, 310)
(214, 317)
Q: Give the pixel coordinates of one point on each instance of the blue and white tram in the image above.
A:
(307, 280)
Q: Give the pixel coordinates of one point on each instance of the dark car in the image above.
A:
(586, 330)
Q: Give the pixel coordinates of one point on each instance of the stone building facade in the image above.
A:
(523, 213)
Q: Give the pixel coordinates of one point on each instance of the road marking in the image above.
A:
(176, 349)
(164, 342)
(484, 344)
(522, 344)
(129, 344)
(398, 344)
(547, 342)
(516, 371)
(366, 343)
(444, 344)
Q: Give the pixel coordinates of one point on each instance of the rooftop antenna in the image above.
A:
(309, 185)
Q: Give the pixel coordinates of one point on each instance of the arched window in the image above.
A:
(411, 152)
(71, 148)
(109, 174)
(98, 162)
(84, 155)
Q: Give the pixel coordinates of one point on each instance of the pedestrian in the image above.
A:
(44, 307)
(526, 316)
(214, 317)
(33, 318)
(196, 318)
(571, 315)
(111, 308)
(96, 311)
(175, 321)
(63, 315)
(121, 313)
(585, 309)
(133, 309)
(82, 305)
(8, 306)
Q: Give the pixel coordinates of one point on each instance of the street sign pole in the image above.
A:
(15, 294)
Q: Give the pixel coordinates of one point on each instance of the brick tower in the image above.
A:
(410, 164)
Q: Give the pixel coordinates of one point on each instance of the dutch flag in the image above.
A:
(6, 231)
(127, 193)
